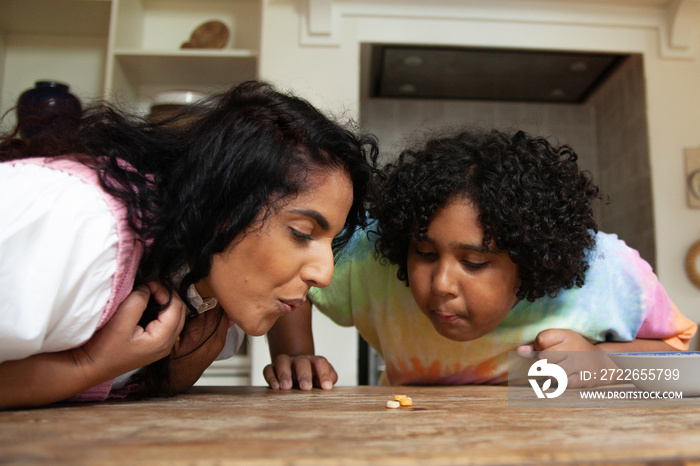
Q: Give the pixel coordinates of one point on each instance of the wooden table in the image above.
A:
(346, 426)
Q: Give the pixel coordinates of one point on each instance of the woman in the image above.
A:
(232, 209)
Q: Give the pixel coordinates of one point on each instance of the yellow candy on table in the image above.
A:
(399, 397)
(406, 401)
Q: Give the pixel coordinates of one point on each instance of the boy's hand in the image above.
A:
(306, 371)
(557, 339)
(557, 345)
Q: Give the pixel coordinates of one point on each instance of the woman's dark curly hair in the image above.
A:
(194, 182)
(533, 202)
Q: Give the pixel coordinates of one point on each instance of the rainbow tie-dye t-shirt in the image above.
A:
(621, 300)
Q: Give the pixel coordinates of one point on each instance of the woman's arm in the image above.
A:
(292, 352)
(122, 345)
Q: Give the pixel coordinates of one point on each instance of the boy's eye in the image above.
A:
(475, 265)
(420, 253)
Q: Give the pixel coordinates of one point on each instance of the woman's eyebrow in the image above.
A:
(314, 215)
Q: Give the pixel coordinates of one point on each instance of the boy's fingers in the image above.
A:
(548, 339)
(304, 373)
(283, 369)
(526, 351)
(270, 378)
(325, 374)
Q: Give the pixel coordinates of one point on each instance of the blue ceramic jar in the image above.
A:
(47, 106)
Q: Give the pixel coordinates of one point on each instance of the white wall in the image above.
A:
(318, 56)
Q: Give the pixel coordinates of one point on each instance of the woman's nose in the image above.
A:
(443, 283)
(318, 271)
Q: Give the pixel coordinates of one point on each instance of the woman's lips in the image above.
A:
(289, 305)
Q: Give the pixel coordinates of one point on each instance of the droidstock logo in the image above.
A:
(544, 369)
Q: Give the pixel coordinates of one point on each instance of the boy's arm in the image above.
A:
(586, 356)
(122, 345)
(567, 340)
(292, 352)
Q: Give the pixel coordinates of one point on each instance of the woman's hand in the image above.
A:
(123, 345)
(304, 371)
(119, 347)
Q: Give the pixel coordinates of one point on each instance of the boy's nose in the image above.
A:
(443, 283)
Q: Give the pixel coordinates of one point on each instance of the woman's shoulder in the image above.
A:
(60, 236)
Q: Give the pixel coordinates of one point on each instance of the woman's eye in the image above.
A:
(299, 236)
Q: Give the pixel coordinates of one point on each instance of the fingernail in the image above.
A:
(285, 385)
(305, 385)
(326, 385)
(275, 386)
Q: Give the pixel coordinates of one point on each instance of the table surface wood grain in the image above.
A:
(347, 426)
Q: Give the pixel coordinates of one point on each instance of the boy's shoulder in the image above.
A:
(610, 251)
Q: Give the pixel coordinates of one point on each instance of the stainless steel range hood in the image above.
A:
(426, 72)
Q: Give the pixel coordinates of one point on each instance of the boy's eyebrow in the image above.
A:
(465, 246)
(314, 215)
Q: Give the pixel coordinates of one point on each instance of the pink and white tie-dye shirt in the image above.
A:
(621, 300)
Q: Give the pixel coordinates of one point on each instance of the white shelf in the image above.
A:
(146, 57)
(186, 53)
(167, 24)
(143, 71)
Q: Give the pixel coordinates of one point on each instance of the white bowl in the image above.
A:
(661, 371)
(177, 97)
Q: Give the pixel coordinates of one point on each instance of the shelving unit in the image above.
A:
(126, 51)
(145, 56)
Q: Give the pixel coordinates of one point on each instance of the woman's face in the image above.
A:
(268, 272)
(465, 290)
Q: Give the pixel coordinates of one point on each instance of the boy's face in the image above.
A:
(464, 290)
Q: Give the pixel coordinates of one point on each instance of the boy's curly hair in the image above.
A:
(533, 200)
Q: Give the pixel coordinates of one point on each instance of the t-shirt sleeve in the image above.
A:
(684, 329)
(642, 298)
(58, 246)
(662, 319)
